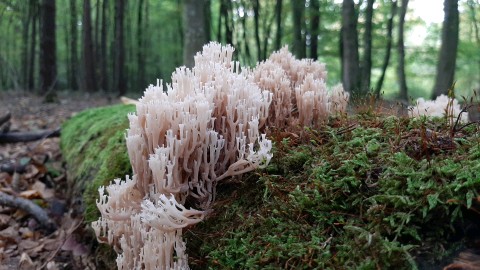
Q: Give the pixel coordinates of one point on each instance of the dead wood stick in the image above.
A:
(13, 137)
(31, 208)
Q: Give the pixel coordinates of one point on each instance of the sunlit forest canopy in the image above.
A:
(123, 46)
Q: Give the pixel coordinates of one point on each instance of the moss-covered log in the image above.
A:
(93, 145)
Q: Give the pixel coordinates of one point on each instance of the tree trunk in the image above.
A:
(194, 29)
(48, 61)
(350, 58)
(278, 23)
(402, 81)
(89, 83)
(33, 46)
(315, 28)
(448, 50)
(119, 80)
(140, 46)
(386, 60)
(245, 39)
(26, 38)
(367, 49)
(298, 10)
(256, 18)
(73, 82)
(103, 47)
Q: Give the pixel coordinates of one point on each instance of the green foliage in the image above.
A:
(345, 200)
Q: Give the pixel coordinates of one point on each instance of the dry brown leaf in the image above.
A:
(4, 220)
(45, 193)
(30, 194)
(27, 244)
(25, 262)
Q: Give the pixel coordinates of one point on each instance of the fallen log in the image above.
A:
(13, 137)
(31, 208)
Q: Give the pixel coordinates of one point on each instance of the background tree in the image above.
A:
(448, 50)
(350, 57)
(402, 81)
(298, 11)
(119, 80)
(194, 29)
(48, 61)
(88, 68)
(366, 67)
(314, 28)
(388, 49)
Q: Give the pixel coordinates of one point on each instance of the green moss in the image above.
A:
(349, 200)
(93, 144)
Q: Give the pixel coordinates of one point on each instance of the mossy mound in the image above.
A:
(93, 145)
(362, 193)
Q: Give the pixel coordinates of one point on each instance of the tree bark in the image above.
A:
(103, 47)
(48, 60)
(367, 49)
(33, 46)
(278, 23)
(350, 58)
(256, 18)
(388, 49)
(73, 46)
(119, 80)
(140, 46)
(89, 83)
(26, 38)
(194, 29)
(298, 11)
(315, 28)
(448, 50)
(402, 81)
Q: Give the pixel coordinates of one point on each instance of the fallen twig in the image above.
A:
(31, 208)
(13, 137)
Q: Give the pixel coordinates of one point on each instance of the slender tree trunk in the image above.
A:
(315, 28)
(388, 49)
(33, 46)
(473, 13)
(194, 29)
(402, 81)
(48, 61)
(256, 18)
(140, 46)
(119, 80)
(73, 76)
(89, 83)
(267, 30)
(208, 19)
(367, 50)
(278, 23)
(245, 39)
(26, 39)
(350, 59)
(298, 11)
(448, 50)
(103, 47)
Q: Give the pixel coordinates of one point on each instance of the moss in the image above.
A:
(362, 190)
(93, 145)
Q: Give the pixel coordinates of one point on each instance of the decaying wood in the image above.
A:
(11, 167)
(31, 208)
(13, 137)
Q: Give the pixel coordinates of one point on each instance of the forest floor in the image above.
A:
(39, 176)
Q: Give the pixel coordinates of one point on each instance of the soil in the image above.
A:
(24, 244)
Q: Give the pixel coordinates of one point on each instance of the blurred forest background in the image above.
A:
(121, 46)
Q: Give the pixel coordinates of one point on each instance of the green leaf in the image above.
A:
(432, 200)
(469, 197)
